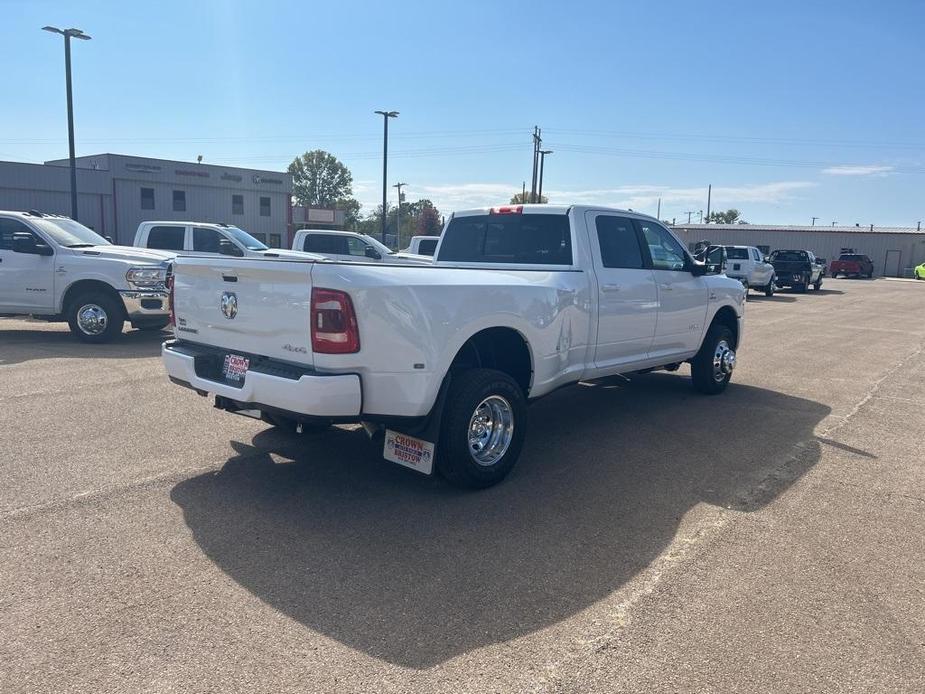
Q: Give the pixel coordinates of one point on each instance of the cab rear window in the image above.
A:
(733, 253)
(528, 239)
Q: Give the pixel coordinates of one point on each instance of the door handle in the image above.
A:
(610, 288)
(666, 287)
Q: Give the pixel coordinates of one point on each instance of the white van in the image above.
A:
(204, 239)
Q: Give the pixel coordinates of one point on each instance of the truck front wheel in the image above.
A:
(711, 368)
(95, 317)
(483, 428)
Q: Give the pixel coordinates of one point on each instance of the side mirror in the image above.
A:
(767, 259)
(109, 238)
(226, 247)
(373, 253)
(26, 243)
(699, 269)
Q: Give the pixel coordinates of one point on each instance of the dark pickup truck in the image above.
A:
(796, 269)
(852, 264)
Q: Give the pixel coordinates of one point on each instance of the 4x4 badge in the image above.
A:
(229, 305)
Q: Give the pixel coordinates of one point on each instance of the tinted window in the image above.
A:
(427, 246)
(666, 251)
(276, 240)
(237, 204)
(618, 242)
(166, 238)
(734, 253)
(756, 255)
(264, 207)
(179, 201)
(8, 227)
(852, 257)
(147, 198)
(207, 240)
(328, 244)
(542, 239)
(789, 256)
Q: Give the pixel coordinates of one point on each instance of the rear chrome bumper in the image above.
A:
(142, 304)
(308, 393)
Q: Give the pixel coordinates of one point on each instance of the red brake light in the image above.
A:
(508, 209)
(334, 322)
(173, 316)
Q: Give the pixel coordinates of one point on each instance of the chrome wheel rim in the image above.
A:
(724, 361)
(491, 430)
(92, 319)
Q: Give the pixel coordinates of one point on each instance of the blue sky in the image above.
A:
(790, 109)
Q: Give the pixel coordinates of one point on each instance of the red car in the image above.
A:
(852, 264)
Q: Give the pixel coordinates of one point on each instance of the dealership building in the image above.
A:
(893, 250)
(116, 192)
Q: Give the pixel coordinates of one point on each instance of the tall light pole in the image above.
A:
(68, 34)
(542, 153)
(385, 163)
(813, 223)
(398, 213)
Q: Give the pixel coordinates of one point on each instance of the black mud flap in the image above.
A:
(415, 447)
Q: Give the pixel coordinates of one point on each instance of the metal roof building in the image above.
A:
(116, 192)
(894, 250)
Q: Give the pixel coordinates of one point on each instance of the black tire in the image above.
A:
(769, 290)
(817, 285)
(152, 327)
(291, 425)
(106, 308)
(702, 366)
(468, 390)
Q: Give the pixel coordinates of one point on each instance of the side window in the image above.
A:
(329, 244)
(666, 251)
(237, 204)
(755, 255)
(618, 242)
(427, 247)
(166, 238)
(765, 251)
(356, 247)
(147, 198)
(207, 240)
(8, 227)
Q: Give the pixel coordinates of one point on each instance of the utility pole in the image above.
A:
(398, 213)
(813, 223)
(523, 193)
(658, 214)
(834, 222)
(537, 142)
(385, 165)
(68, 34)
(688, 213)
(543, 153)
(709, 194)
(701, 216)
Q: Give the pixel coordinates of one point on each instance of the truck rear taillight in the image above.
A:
(334, 323)
(508, 209)
(173, 316)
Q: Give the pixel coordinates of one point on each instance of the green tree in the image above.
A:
(351, 208)
(730, 216)
(522, 198)
(319, 179)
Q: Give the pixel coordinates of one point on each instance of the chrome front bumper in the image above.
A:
(142, 303)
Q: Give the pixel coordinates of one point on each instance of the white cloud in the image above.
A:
(859, 170)
(644, 197)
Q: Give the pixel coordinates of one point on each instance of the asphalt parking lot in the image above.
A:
(650, 539)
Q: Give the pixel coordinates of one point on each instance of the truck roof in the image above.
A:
(546, 209)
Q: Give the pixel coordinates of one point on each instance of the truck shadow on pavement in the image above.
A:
(56, 342)
(407, 569)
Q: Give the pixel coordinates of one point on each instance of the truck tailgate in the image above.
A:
(258, 306)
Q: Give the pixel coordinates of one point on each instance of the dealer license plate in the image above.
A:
(408, 451)
(235, 367)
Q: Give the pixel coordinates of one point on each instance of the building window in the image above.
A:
(237, 204)
(260, 237)
(179, 201)
(765, 250)
(147, 198)
(264, 207)
(276, 240)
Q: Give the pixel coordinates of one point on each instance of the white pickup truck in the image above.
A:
(443, 358)
(52, 267)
